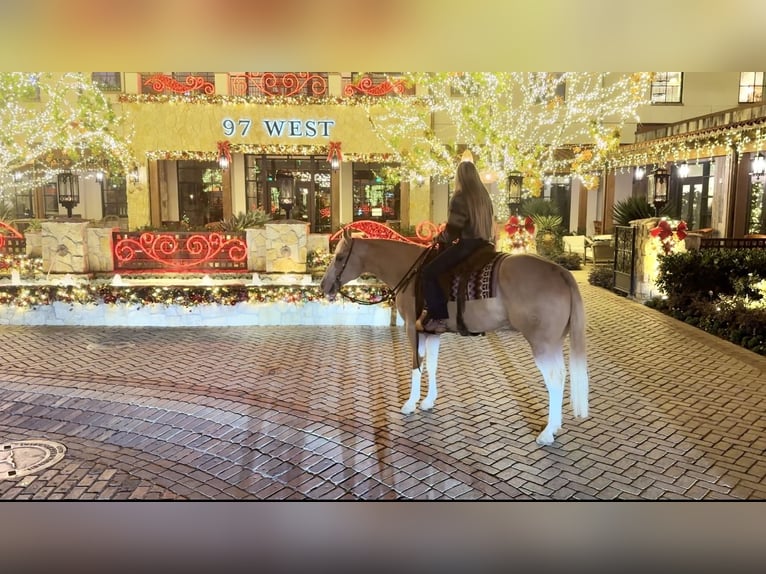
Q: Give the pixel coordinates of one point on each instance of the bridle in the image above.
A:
(390, 293)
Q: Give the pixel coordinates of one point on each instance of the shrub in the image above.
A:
(711, 273)
(717, 290)
(601, 277)
(571, 261)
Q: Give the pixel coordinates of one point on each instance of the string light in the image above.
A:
(512, 121)
(73, 125)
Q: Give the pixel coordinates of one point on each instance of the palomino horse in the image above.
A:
(534, 296)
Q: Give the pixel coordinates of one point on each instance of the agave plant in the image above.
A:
(242, 221)
(536, 206)
(632, 208)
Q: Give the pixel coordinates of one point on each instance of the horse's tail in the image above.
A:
(578, 364)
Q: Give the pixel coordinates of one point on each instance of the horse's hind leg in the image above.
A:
(409, 407)
(432, 358)
(550, 361)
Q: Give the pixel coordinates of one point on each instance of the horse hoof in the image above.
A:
(408, 408)
(545, 439)
(426, 406)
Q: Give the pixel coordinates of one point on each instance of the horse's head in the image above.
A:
(343, 268)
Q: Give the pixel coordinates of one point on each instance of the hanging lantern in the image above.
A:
(513, 188)
(286, 184)
(224, 154)
(661, 179)
(334, 156)
(758, 167)
(68, 190)
(638, 174)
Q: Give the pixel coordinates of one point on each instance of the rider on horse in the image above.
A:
(470, 226)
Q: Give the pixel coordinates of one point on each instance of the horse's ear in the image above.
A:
(346, 233)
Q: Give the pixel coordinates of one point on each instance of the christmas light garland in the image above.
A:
(30, 296)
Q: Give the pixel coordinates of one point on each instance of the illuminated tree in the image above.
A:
(537, 123)
(52, 122)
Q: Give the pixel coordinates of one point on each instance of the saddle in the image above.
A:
(473, 278)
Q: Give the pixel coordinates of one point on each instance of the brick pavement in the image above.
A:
(312, 413)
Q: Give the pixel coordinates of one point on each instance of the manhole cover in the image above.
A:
(24, 457)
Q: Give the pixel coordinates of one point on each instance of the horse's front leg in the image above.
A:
(432, 358)
(417, 342)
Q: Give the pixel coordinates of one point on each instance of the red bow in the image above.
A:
(334, 151)
(681, 230)
(663, 230)
(224, 150)
(514, 225)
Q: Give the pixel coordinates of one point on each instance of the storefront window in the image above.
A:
(374, 198)
(114, 197)
(298, 186)
(756, 212)
(691, 197)
(200, 192)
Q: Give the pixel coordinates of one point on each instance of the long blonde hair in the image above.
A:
(480, 210)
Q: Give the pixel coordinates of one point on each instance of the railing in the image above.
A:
(14, 243)
(624, 259)
(278, 84)
(179, 251)
(732, 243)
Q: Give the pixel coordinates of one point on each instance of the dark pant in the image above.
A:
(436, 302)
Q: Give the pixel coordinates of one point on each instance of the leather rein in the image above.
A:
(391, 293)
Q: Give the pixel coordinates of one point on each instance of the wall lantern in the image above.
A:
(334, 156)
(68, 190)
(134, 175)
(639, 173)
(683, 169)
(17, 175)
(100, 176)
(515, 181)
(224, 154)
(661, 179)
(758, 167)
(286, 184)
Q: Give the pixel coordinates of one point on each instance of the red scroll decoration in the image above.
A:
(374, 230)
(174, 252)
(367, 87)
(273, 85)
(162, 82)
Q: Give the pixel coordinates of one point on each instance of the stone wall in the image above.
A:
(64, 246)
(256, 249)
(318, 242)
(648, 252)
(286, 247)
(100, 247)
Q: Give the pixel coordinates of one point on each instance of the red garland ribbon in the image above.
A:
(224, 149)
(514, 225)
(664, 231)
(334, 151)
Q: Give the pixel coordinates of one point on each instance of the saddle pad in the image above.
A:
(480, 282)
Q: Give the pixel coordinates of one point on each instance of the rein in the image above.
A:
(392, 293)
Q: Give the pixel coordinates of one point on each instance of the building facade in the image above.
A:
(211, 145)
